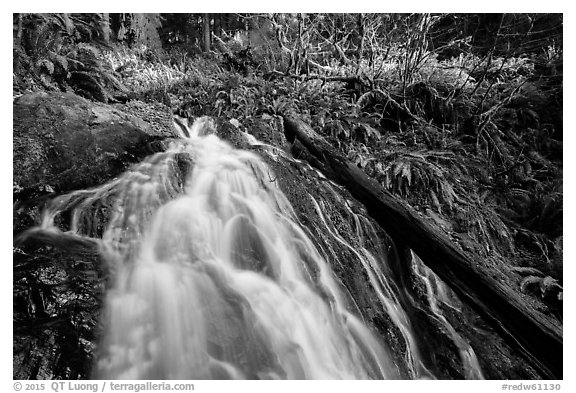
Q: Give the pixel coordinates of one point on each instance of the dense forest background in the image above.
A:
(458, 114)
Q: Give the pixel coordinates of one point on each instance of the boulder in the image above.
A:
(64, 142)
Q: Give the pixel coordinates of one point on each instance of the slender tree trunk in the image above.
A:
(218, 25)
(361, 33)
(19, 30)
(225, 22)
(206, 32)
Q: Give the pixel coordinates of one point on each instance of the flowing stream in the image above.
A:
(213, 277)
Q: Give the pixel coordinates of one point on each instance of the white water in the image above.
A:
(438, 293)
(213, 277)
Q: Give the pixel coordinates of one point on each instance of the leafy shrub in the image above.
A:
(62, 49)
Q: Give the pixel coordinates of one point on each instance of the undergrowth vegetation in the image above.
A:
(471, 139)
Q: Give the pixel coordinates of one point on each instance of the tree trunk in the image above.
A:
(19, 31)
(206, 33)
(225, 23)
(361, 34)
(218, 25)
(525, 329)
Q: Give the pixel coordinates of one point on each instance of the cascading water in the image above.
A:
(212, 276)
(438, 293)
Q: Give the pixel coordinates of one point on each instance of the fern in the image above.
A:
(365, 133)
(484, 225)
(66, 24)
(544, 284)
(111, 80)
(55, 45)
(45, 65)
(421, 175)
(91, 26)
(60, 61)
(522, 270)
(87, 51)
(280, 105)
(88, 85)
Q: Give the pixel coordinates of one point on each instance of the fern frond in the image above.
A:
(523, 270)
(529, 281)
(110, 79)
(46, 65)
(549, 283)
(435, 201)
(407, 173)
(448, 193)
(89, 84)
(88, 49)
(397, 168)
(60, 61)
(65, 23)
(544, 284)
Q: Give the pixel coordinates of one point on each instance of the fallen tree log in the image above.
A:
(525, 329)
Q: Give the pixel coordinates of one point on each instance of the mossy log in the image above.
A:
(525, 329)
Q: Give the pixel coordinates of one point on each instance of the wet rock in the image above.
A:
(67, 142)
(57, 290)
(63, 142)
(300, 183)
(266, 129)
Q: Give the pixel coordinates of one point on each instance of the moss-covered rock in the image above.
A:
(67, 142)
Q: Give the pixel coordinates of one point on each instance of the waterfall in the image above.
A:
(212, 276)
